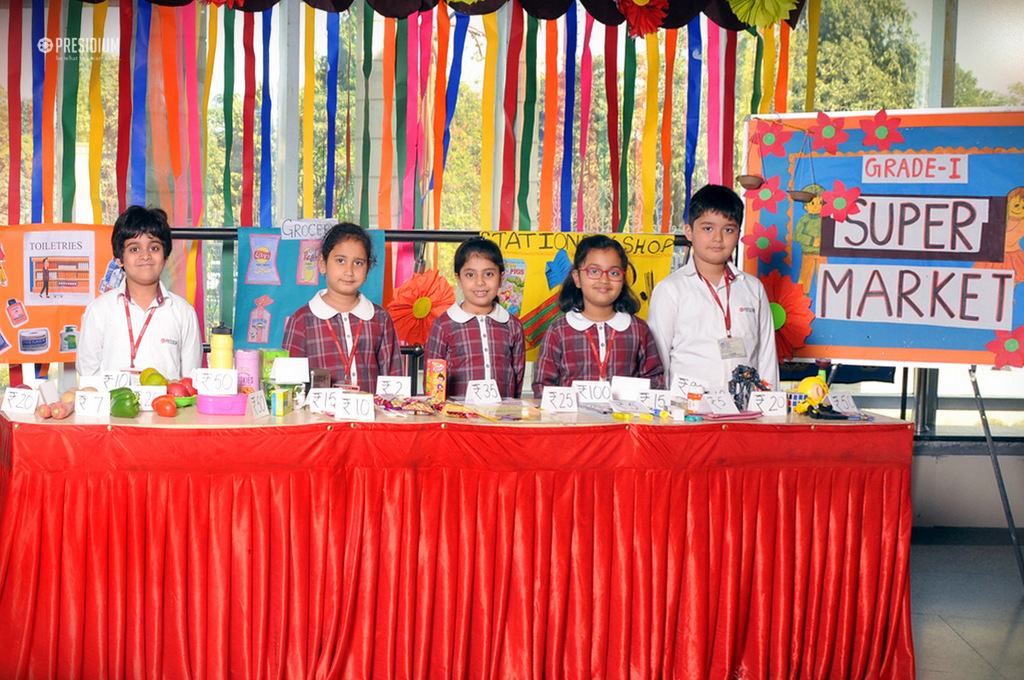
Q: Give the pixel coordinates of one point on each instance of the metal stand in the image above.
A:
(999, 475)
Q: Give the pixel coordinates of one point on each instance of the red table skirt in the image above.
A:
(438, 551)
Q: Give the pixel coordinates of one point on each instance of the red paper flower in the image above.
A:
(828, 133)
(791, 313)
(763, 243)
(840, 202)
(767, 195)
(1008, 348)
(643, 16)
(417, 302)
(881, 131)
(771, 138)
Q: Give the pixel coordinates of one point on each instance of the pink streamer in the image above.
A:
(586, 73)
(714, 61)
(192, 110)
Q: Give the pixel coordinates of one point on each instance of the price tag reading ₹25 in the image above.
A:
(559, 400)
(216, 381)
(483, 392)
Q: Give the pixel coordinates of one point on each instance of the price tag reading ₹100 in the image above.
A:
(592, 391)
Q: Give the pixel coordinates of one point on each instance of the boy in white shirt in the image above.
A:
(708, 317)
(140, 324)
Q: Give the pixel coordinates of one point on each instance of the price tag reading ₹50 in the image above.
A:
(483, 392)
(768, 403)
(258, 405)
(559, 400)
(216, 381)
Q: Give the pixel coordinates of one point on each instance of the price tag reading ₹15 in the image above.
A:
(483, 392)
(216, 381)
(323, 400)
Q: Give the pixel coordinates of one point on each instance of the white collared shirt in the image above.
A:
(498, 313)
(578, 322)
(363, 310)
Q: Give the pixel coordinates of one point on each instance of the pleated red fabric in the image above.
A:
(455, 551)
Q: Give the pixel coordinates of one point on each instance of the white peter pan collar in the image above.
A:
(321, 310)
(457, 314)
(577, 321)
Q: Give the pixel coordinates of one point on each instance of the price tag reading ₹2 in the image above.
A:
(354, 407)
(592, 391)
(483, 392)
(92, 404)
(559, 400)
(768, 403)
(20, 400)
(216, 381)
(394, 385)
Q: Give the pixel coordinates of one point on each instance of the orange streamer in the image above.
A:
(386, 142)
(49, 110)
(547, 166)
(782, 80)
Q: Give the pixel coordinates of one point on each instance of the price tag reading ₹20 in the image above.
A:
(768, 403)
(20, 400)
(354, 407)
(559, 400)
(92, 404)
(216, 381)
(483, 392)
(147, 393)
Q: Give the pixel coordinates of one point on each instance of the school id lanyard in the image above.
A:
(725, 310)
(134, 343)
(346, 359)
(602, 365)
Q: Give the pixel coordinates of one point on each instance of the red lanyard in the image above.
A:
(725, 309)
(132, 342)
(346, 359)
(603, 365)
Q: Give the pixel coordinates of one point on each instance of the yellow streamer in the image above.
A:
(96, 118)
(813, 22)
(768, 70)
(307, 116)
(488, 104)
(649, 163)
(211, 54)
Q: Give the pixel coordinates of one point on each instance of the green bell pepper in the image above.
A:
(124, 403)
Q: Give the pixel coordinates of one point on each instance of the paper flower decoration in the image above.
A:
(762, 12)
(828, 133)
(771, 139)
(1008, 348)
(791, 313)
(763, 243)
(767, 196)
(417, 302)
(643, 16)
(840, 202)
(881, 131)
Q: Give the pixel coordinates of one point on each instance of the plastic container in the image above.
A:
(16, 313)
(222, 404)
(221, 348)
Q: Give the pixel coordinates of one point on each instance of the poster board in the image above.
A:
(536, 263)
(278, 273)
(48, 274)
(910, 251)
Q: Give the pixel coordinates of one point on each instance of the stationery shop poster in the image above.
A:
(278, 273)
(537, 262)
(906, 245)
(48, 274)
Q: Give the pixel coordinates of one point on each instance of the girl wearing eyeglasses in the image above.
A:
(599, 336)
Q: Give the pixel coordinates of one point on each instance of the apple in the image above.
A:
(187, 382)
(177, 389)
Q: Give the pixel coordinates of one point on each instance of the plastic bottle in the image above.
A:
(221, 348)
(16, 313)
(69, 339)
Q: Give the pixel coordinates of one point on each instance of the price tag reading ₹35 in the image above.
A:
(483, 392)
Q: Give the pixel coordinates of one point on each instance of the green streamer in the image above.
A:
(364, 190)
(229, 100)
(401, 104)
(227, 283)
(69, 114)
(529, 121)
(755, 98)
(628, 102)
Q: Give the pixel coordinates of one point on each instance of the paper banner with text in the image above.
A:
(907, 241)
(48, 274)
(278, 273)
(536, 263)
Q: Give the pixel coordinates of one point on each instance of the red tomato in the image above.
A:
(164, 406)
(187, 382)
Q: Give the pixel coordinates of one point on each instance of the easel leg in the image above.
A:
(999, 475)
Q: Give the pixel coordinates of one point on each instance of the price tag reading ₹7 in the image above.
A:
(92, 404)
(592, 391)
(354, 407)
(559, 400)
(394, 385)
(768, 403)
(655, 400)
(483, 392)
(216, 381)
(258, 405)
(323, 400)
(20, 400)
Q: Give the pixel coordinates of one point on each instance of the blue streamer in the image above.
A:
(451, 96)
(570, 112)
(137, 163)
(38, 72)
(266, 181)
(693, 74)
(333, 28)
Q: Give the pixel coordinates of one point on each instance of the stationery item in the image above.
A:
(221, 347)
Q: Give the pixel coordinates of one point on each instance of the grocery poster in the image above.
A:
(890, 237)
(537, 262)
(278, 273)
(48, 274)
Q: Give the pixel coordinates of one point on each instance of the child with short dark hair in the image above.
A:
(340, 329)
(479, 339)
(140, 324)
(599, 336)
(708, 317)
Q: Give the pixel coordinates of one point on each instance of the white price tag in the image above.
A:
(559, 400)
(681, 386)
(843, 402)
(624, 387)
(718, 402)
(48, 392)
(147, 393)
(323, 400)
(92, 404)
(768, 403)
(655, 400)
(394, 385)
(20, 400)
(258, 405)
(114, 379)
(483, 392)
(592, 391)
(354, 406)
(216, 381)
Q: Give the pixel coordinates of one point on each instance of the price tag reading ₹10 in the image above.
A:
(354, 407)
(216, 381)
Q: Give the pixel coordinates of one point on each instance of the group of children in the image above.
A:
(705, 319)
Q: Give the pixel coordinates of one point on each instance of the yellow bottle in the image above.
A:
(221, 348)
